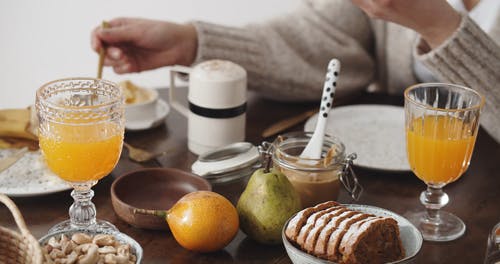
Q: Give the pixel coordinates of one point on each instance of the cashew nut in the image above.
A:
(72, 258)
(48, 248)
(66, 247)
(85, 249)
(54, 243)
(107, 250)
(103, 240)
(64, 239)
(110, 259)
(121, 259)
(123, 250)
(91, 257)
(48, 259)
(56, 253)
(81, 238)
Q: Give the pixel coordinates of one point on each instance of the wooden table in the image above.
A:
(474, 198)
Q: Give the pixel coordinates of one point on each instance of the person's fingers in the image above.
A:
(361, 3)
(123, 68)
(113, 63)
(119, 31)
(375, 8)
(119, 21)
(123, 63)
(114, 53)
(95, 43)
(115, 56)
(357, 2)
(367, 5)
(116, 63)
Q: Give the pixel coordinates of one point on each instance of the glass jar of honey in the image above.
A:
(316, 180)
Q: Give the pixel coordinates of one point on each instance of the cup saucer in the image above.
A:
(162, 110)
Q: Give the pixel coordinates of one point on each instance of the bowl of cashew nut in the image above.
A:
(88, 247)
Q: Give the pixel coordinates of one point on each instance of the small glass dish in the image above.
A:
(135, 247)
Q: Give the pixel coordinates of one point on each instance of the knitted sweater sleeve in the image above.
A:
(286, 57)
(470, 58)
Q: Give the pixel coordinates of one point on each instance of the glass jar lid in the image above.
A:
(227, 163)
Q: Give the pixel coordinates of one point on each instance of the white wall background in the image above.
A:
(45, 40)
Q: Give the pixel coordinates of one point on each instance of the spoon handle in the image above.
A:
(102, 54)
(314, 147)
(329, 88)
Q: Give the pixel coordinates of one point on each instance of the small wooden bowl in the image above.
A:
(152, 188)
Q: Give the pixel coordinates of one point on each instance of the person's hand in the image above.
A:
(434, 20)
(134, 45)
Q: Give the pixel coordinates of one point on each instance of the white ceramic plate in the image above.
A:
(409, 234)
(375, 132)
(162, 110)
(29, 176)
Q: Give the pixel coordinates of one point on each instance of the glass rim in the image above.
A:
(415, 86)
(80, 108)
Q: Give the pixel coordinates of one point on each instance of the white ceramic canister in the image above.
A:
(217, 104)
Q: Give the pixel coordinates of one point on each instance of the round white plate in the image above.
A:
(375, 132)
(29, 176)
(409, 234)
(162, 109)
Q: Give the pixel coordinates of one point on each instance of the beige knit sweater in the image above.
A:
(286, 57)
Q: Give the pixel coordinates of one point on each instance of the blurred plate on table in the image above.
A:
(29, 176)
(162, 109)
(411, 239)
(375, 132)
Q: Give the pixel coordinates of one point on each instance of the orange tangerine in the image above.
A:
(201, 221)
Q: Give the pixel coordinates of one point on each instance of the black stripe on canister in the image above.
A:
(218, 113)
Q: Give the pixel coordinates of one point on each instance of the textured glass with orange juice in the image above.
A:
(442, 120)
(439, 151)
(82, 152)
(81, 126)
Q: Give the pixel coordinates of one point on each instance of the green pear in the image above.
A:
(268, 201)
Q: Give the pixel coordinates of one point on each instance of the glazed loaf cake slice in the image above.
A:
(297, 222)
(311, 222)
(324, 235)
(374, 241)
(312, 236)
(332, 249)
(334, 232)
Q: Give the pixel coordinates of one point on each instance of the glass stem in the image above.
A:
(82, 212)
(433, 199)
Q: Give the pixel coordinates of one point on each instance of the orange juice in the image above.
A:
(439, 148)
(82, 152)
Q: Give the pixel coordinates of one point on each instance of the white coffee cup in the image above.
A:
(144, 109)
(217, 104)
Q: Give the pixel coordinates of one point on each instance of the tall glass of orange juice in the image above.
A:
(81, 135)
(442, 121)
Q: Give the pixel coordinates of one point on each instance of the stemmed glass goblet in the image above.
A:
(442, 121)
(81, 134)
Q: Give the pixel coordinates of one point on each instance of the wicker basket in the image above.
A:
(15, 247)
